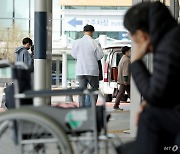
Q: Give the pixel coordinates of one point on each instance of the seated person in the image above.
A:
(153, 29)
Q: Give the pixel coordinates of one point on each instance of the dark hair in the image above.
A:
(88, 28)
(32, 48)
(125, 49)
(27, 40)
(137, 17)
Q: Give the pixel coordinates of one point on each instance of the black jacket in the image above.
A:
(161, 88)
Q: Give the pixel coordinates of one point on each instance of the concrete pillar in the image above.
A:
(135, 95)
(135, 102)
(64, 61)
(135, 98)
(43, 46)
(64, 70)
(39, 79)
(48, 78)
(49, 49)
(63, 22)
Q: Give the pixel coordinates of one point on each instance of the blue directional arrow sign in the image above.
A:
(75, 22)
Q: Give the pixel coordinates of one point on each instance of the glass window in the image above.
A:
(109, 8)
(55, 76)
(5, 23)
(93, 8)
(67, 7)
(114, 35)
(32, 27)
(71, 73)
(96, 34)
(75, 7)
(5, 72)
(32, 9)
(21, 8)
(6, 8)
(74, 35)
(53, 72)
(122, 7)
(22, 24)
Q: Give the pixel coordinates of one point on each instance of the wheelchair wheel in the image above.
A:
(25, 131)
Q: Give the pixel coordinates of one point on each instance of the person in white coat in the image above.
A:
(87, 52)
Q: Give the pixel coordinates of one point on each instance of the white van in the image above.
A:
(114, 55)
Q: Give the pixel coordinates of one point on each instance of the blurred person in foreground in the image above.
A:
(153, 30)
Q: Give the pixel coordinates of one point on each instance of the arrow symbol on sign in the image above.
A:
(75, 22)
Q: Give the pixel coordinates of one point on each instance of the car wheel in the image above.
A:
(108, 97)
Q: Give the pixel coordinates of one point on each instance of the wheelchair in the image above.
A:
(29, 129)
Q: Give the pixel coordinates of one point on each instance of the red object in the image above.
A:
(106, 72)
(114, 73)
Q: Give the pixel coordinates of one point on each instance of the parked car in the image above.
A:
(114, 55)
